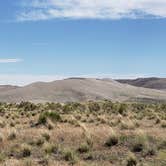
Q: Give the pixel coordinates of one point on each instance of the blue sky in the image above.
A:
(45, 40)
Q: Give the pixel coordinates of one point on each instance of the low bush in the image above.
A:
(131, 160)
(54, 116)
(84, 148)
(112, 140)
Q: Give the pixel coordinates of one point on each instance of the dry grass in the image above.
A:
(102, 133)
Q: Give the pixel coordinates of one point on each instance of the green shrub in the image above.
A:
(122, 109)
(54, 116)
(42, 119)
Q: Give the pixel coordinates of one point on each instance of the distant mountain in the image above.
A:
(79, 89)
(153, 83)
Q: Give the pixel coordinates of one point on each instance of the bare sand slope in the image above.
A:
(79, 89)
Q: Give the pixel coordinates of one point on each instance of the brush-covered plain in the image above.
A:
(85, 134)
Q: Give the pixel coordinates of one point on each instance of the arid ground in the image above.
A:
(83, 134)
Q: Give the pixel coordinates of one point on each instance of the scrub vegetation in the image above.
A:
(92, 133)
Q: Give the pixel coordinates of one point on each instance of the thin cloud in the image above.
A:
(10, 60)
(33, 10)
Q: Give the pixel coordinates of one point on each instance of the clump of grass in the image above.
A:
(2, 124)
(2, 157)
(93, 106)
(46, 136)
(162, 144)
(158, 120)
(42, 119)
(122, 109)
(127, 125)
(50, 148)
(70, 155)
(12, 124)
(150, 151)
(1, 138)
(84, 148)
(131, 160)
(140, 142)
(163, 124)
(25, 151)
(112, 140)
(40, 142)
(12, 136)
(28, 162)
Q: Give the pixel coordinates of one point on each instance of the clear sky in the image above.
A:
(43, 40)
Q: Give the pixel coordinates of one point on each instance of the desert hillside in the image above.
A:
(4, 88)
(153, 83)
(80, 89)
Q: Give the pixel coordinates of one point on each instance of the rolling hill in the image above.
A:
(4, 88)
(79, 89)
(153, 83)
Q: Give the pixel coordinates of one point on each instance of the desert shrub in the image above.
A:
(67, 108)
(112, 140)
(40, 142)
(150, 151)
(163, 107)
(12, 136)
(42, 118)
(131, 160)
(12, 124)
(1, 138)
(26, 151)
(2, 157)
(46, 136)
(122, 109)
(78, 106)
(139, 143)
(27, 106)
(2, 124)
(50, 148)
(163, 124)
(53, 106)
(28, 162)
(54, 116)
(107, 106)
(84, 148)
(93, 106)
(128, 124)
(50, 126)
(70, 155)
(158, 120)
(162, 144)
